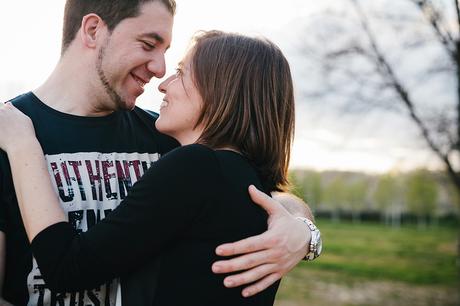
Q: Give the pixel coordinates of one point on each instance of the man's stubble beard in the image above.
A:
(118, 101)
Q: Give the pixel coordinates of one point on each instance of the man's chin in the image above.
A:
(130, 105)
(126, 104)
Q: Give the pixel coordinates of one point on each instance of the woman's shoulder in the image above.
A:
(197, 152)
(189, 161)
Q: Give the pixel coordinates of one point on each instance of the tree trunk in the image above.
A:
(457, 182)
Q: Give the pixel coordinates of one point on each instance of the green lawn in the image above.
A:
(379, 252)
(370, 256)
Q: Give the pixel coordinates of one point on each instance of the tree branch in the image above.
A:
(385, 67)
(434, 17)
(457, 10)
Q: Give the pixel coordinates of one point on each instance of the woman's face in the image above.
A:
(181, 105)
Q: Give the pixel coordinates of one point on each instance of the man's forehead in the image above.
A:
(154, 21)
(160, 32)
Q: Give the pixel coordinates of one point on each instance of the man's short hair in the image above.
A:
(111, 11)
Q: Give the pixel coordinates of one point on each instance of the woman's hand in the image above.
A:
(16, 129)
(37, 199)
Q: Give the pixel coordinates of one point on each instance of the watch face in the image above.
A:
(319, 247)
(316, 245)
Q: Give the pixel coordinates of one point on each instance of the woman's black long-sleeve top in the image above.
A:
(189, 202)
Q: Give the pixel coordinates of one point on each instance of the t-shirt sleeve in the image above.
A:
(158, 210)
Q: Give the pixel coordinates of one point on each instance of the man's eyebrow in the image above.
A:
(155, 36)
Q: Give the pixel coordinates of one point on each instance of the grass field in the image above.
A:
(372, 264)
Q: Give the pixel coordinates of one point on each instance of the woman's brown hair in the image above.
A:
(248, 100)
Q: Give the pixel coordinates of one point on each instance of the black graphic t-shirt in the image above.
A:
(93, 162)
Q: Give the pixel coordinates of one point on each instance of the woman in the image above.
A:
(231, 107)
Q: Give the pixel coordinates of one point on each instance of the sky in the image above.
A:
(30, 33)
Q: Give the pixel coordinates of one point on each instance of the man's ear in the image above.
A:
(91, 28)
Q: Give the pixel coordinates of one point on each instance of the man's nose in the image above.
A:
(157, 65)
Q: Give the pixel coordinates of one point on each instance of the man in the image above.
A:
(98, 144)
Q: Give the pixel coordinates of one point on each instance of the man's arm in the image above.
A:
(294, 205)
(266, 258)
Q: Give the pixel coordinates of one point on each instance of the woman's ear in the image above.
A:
(90, 30)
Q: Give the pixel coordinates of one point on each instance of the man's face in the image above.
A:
(133, 54)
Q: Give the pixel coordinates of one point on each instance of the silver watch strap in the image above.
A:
(315, 244)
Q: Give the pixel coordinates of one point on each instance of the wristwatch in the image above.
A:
(315, 243)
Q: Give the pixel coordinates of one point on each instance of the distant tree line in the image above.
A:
(420, 196)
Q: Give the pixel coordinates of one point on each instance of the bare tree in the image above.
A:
(368, 56)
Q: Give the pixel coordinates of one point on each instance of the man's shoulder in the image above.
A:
(145, 118)
(148, 118)
(24, 102)
(22, 99)
(145, 113)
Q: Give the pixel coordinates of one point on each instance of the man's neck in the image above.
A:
(69, 90)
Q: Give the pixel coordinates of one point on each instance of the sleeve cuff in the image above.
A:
(48, 245)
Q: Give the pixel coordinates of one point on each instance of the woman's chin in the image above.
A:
(160, 127)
